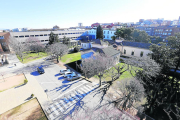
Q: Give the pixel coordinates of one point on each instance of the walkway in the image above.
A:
(14, 97)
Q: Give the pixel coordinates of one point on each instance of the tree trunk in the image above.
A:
(57, 59)
(99, 80)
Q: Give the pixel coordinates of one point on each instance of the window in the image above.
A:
(69, 33)
(59, 33)
(108, 32)
(124, 51)
(36, 35)
(141, 54)
(1, 37)
(16, 36)
(132, 52)
(45, 34)
(107, 36)
(46, 40)
(48, 34)
(42, 40)
(62, 33)
(104, 36)
(41, 35)
(31, 35)
(65, 33)
(104, 32)
(26, 35)
(21, 36)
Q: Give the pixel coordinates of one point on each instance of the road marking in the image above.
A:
(68, 91)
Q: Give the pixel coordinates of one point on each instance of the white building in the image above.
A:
(175, 22)
(137, 49)
(43, 36)
(80, 24)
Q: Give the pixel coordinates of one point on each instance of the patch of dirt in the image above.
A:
(30, 110)
(30, 58)
(61, 64)
(10, 82)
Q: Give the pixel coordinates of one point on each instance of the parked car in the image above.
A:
(73, 77)
(64, 70)
(40, 70)
(66, 74)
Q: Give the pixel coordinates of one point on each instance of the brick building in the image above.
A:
(4, 36)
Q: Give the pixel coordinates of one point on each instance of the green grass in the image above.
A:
(28, 57)
(125, 75)
(68, 58)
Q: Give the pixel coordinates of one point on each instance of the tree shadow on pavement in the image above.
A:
(65, 87)
(80, 105)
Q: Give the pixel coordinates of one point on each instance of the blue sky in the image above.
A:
(68, 13)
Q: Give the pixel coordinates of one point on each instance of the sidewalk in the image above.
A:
(15, 96)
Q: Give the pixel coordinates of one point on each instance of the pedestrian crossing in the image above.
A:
(61, 105)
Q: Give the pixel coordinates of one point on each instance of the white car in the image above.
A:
(64, 70)
(66, 74)
(73, 77)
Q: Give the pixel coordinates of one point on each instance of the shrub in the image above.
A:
(32, 95)
(76, 49)
(121, 60)
(25, 81)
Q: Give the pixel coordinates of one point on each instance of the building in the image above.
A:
(108, 33)
(137, 49)
(4, 36)
(80, 24)
(20, 29)
(56, 27)
(43, 36)
(86, 45)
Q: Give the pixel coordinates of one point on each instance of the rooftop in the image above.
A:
(110, 51)
(136, 44)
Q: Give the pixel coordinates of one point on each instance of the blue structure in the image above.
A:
(87, 55)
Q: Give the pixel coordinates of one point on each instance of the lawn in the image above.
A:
(11, 82)
(125, 75)
(30, 110)
(28, 57)
(68, 58)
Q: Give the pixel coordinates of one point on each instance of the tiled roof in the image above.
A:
(110, 51)
(136, 44)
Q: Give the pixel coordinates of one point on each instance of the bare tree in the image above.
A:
(34, 44)
(18, 47)
(103, 113)
(131, 91)
(96, 65)
(58, 50)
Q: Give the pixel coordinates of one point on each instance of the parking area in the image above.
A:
(63, 93)
(55, 84)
